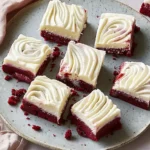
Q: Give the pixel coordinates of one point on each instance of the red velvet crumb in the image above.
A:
(19, 92)
(119, 76)
(8, 77)
(74, 93)
(29, 125)
(68, 134)
(28, 118)
(13, 100)
(115, 73)
(26, 114)
(54, 135)
(137, 29)
(56, 53)
(36, 128)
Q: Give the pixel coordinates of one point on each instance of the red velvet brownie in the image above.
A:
(81, 66)
(46, 98)
(132, 84)
(27, 58)
(62, 23)
(115, 34)
(145, 8)
(96, 116)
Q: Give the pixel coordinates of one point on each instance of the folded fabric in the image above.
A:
(6, 6)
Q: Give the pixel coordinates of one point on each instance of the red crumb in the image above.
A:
(97, 16)
(52, 67)
(62, 53)
(137, 29)
(19, 92)
(26, 114)
(114, 58)
(36, 128)
(54, 135)
(74, 93)
(119, 76)
(59, 45)
(85, 10)
(115, 73)
(115, 67)
(29, 125)
(67, 74)
(13, 100)
(8, 77)
(56, 53)
(28, 118)
(68, 134)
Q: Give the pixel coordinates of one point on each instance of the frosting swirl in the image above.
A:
(49, 95)
(114, 31)
(65, 20)
(28, 53)
(96, 110)
(135, 80)
(82, 62)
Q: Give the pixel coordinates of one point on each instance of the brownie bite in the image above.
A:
(81, 66)
(62, 23)
(115, 34)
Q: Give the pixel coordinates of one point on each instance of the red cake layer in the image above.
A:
(24, 75)
(145, 9)
(130, 99)
(85, 131)
(80, 85)
(32, 109)
(48, 36)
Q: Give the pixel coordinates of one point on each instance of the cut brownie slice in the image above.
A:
(145, 8)
(96, 116)
(27, 58)
(115, 33)
(81, 66)
(132, 84)
(47, 99)
(62, 23)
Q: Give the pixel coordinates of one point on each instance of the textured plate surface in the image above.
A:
(134, 120)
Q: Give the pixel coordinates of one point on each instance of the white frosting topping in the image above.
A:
(115, 31)
(82, 62)
(147, 1)
(96, 110)
(135, 80)
(48, 94)
(27, 53)
(64, 20)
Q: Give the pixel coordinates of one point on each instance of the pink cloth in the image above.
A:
(8, 139)
(6, 6)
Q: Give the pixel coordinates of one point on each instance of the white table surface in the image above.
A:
(143, 142)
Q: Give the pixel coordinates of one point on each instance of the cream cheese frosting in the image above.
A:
(64, 20)
(115, 31)
(135, 80)
(147, 1)
(48, 94)
(27, 53)
(96, 110)
(82, 62)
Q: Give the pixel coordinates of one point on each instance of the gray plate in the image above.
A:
(134, 120)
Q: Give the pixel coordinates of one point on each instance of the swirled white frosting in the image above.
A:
(82, 62)
(48, 94)
(115, 31)
(135, 80)
(64, 20)
(27, 53)
(96, 110)
(147, 1)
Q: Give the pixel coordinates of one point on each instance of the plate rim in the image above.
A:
(35, 141)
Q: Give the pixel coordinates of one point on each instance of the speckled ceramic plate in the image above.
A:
(134, 120)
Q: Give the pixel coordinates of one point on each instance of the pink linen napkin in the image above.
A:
(7, 6)
(8, 139)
